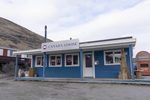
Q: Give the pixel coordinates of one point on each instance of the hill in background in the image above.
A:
(17, 37)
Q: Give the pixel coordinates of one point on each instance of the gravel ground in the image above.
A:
(33, 90)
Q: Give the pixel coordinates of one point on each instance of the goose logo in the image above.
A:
(44, 47)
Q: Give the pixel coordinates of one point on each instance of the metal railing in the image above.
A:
(6, 59)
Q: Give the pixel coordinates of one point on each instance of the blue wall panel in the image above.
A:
(108, 71)
(66, 72)
(101, 70)
(73, 72)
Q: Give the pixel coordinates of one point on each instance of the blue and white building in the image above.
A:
(74, 59)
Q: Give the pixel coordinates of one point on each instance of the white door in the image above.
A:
(88, 65)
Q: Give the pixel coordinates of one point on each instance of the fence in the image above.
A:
(6, 59)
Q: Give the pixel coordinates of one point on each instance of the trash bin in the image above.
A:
(138, 73)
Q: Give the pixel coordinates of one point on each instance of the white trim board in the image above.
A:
(93, 45)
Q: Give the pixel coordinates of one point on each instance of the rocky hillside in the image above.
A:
(15, 36)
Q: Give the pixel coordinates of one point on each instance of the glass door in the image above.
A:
(88, 66)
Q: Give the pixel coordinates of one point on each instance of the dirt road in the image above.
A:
(30, 90)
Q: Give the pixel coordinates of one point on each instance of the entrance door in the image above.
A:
(88, 65)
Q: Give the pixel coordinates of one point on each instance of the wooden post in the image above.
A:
(124, 74)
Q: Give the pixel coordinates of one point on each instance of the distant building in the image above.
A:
(6, 56)
(143, 62)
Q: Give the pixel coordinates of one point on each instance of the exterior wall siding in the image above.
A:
(108, 71)
(101, 70)
(62, 72)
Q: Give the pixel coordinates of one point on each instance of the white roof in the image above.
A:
(8, 48)
(89, 46)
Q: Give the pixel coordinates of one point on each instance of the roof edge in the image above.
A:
(129, 37)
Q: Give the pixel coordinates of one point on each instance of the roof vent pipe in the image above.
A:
(45, 33)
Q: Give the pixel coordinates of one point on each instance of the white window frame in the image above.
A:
(77, 65)
(29, 56)
(113, 57)
(41, 61)
(55, 61)
(10, 53)
(23, 56)
(1, 51)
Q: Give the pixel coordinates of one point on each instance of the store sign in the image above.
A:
(60, 45)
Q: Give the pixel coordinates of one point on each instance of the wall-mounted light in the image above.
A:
(96, 62)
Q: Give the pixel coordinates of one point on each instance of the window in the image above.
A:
(55, 60)
(23, 56)
(117, 56)
(29, 56)
(112, 57)
(39, 61)
(72, 60)
(1, 52)
(88, 61)
(144, 65)
(10, 53)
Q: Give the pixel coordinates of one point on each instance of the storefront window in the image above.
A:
(75, 59)
(39, 61)
(52, 60)
(58, 60)
(72, 59)
(117, 56)
(112, 57)
(109, 57)
(69, 60)
(55, 60)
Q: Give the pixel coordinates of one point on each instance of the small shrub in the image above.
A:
(25, 66)
(9, 69)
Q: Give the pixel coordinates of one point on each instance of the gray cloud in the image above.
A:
(90, 20)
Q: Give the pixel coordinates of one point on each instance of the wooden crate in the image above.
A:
(32, 72)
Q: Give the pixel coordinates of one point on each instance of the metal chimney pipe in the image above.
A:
(45, 33)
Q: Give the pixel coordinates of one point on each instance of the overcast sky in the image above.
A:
(87, 20)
